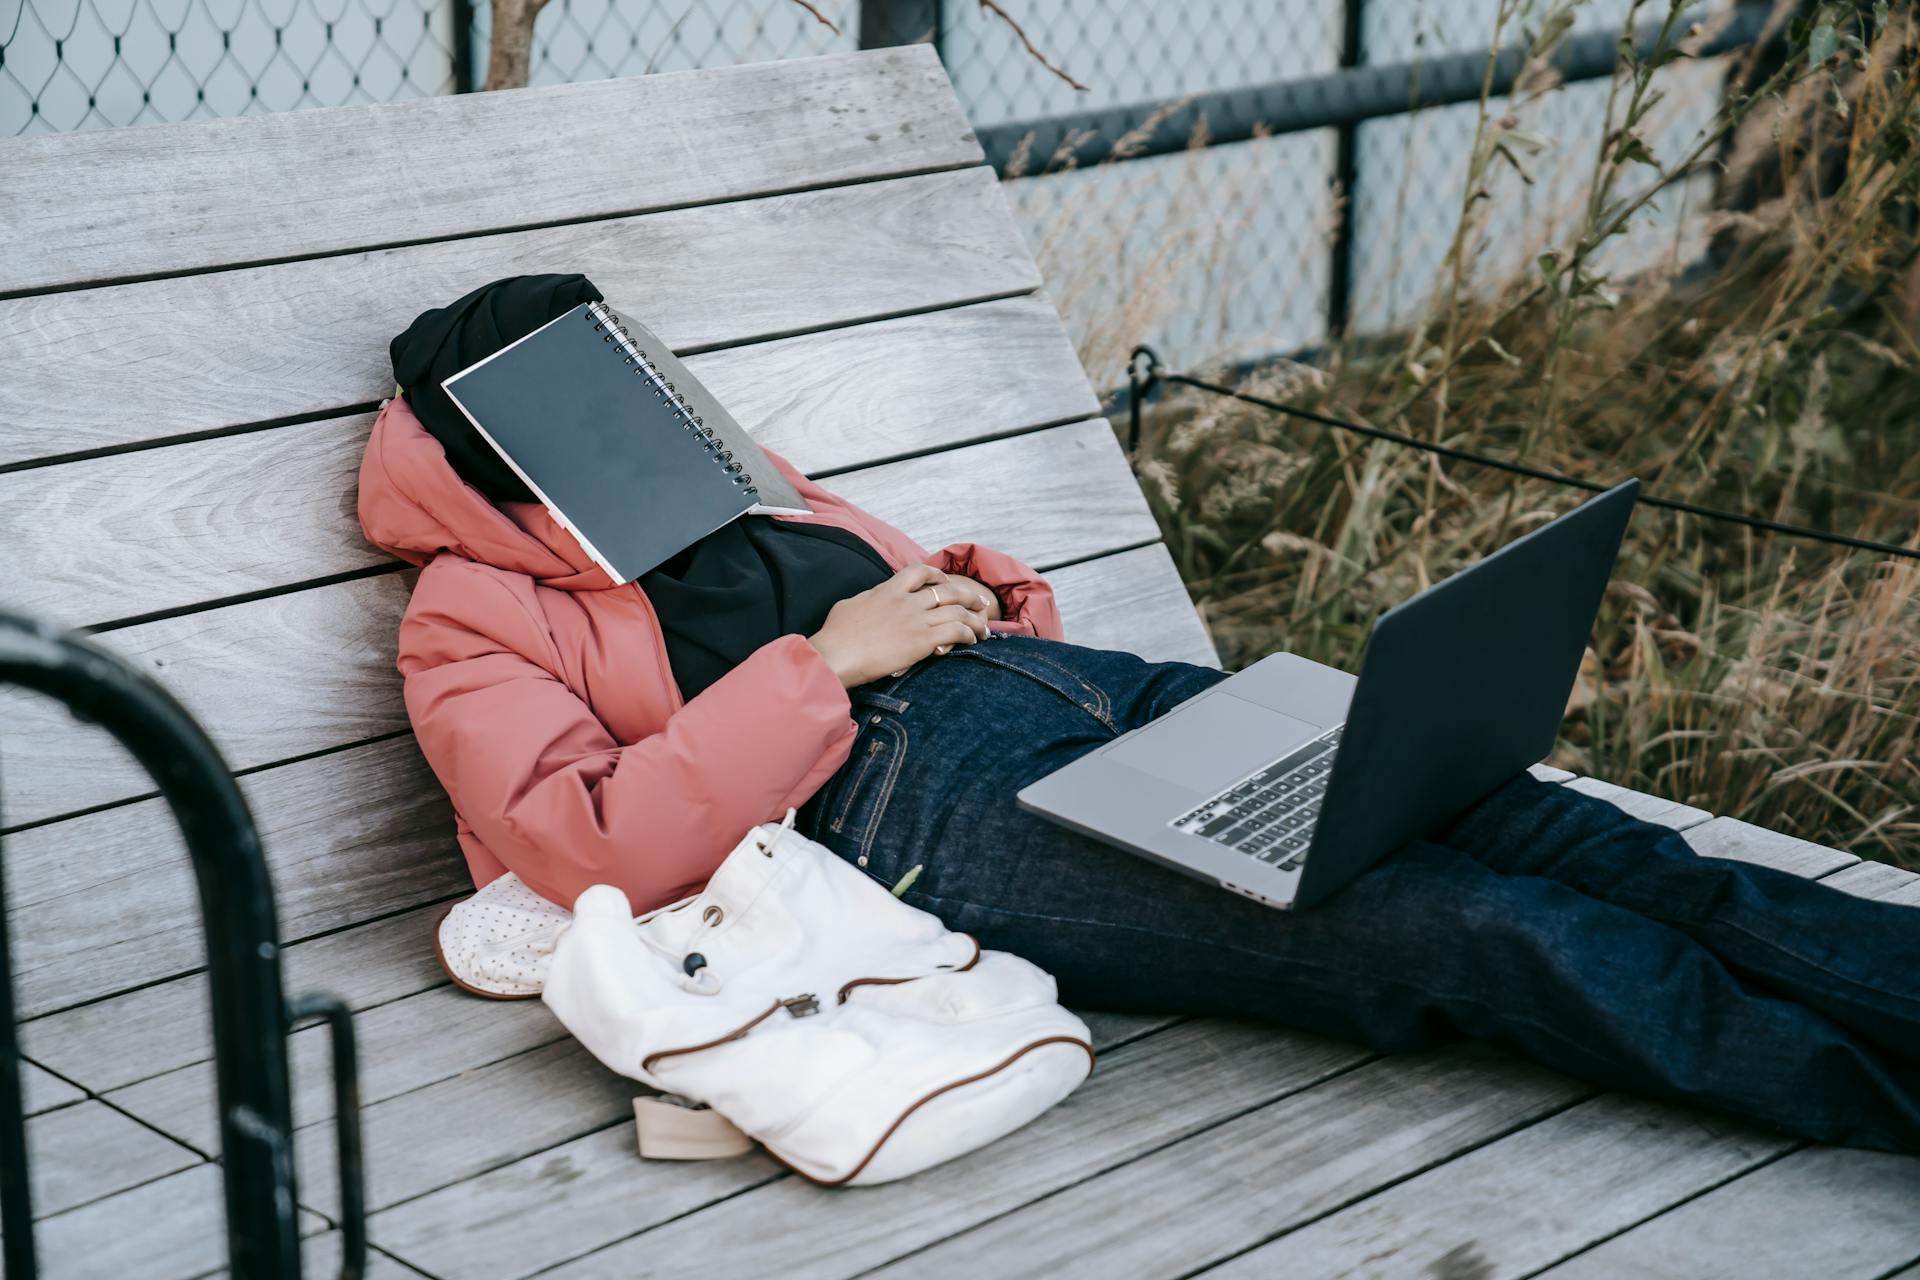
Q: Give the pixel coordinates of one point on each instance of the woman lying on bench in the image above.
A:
(592, 733)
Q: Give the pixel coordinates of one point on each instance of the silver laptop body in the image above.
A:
(1227, 786)
(1288, 779)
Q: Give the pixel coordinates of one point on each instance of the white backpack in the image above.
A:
(853, 1036)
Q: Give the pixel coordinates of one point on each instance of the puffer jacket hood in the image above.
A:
(413, 505)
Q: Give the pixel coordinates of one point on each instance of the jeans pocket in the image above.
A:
(1028, 658)
(851, 811)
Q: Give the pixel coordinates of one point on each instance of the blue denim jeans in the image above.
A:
(1544, 921)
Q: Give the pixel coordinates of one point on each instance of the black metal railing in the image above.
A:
(251, 1017)
(1340, 100)
(1283, 70)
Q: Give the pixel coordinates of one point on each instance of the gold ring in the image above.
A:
(936, 594)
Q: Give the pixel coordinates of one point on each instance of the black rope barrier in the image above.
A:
(1142, 379)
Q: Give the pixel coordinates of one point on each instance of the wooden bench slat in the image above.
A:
(583, 1193)
(117, 203)
(44, 1091)
(480, 1119)
(320, 1259)
(176, 525)
(1173, 1082)
(312, 669)
(591, 1190)
(1668, 813)
(1050, 497)
(403, 1045)
(90, 1151)
(350, 835)
(1877, 880)
(1826, 1211)
(1187, 1205)
(1136, 602)
(1744, 842)
(594, 1190)
(173, 1228)
(365, 965)
(1523, 1202)
(234, 348)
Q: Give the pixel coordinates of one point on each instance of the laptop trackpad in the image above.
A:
(1215, 741)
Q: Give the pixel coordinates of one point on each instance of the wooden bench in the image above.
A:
(193, 325)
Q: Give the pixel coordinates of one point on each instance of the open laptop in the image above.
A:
(1286, 780)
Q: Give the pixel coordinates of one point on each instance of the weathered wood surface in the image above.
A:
(320, 1260)
(1230, 1188)
(306, 339)
(110, 204)
(172, 1228)
(404, 1045)
(44, 1090)
(1147, 1093)
(1744, 842)
(308, 670)
(1824, 1212)
(371, 964)
(87, 1151)
(1133, 601)
(348, 837)
(458, 1127)
(1877, 880)
(593, 1190)
(1513, 1206)
(263, 510)
(1667, 813)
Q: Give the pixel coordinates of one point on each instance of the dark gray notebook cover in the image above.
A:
(609, 453)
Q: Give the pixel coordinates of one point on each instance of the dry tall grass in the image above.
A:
(1772, 678)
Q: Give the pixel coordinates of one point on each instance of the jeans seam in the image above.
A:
(886, 786)
(1816, 965)
(853, 791)
(1101, 708)
(1103, 704)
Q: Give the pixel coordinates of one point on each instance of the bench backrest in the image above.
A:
(193, 327)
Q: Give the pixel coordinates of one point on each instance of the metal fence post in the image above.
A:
(463, 81)
(1346, 179)
(884, 23)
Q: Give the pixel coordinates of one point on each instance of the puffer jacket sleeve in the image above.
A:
(558, 799)
(1026, 599)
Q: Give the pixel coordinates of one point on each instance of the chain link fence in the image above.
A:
(1220, 251)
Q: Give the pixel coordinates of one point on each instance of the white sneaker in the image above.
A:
(499, 942)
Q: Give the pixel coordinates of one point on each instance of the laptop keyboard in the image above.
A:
(1269, 815)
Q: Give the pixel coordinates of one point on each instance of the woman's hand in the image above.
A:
(963, 586)
(890, 627)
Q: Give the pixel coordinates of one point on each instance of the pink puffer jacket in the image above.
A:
(541, 695)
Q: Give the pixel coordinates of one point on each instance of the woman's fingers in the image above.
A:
(971, 621)
(916, 576)
(946, 589)
(952, 633)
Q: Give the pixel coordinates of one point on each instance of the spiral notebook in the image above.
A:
(618, 439)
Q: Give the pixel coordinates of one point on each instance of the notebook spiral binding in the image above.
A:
(611, 330)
